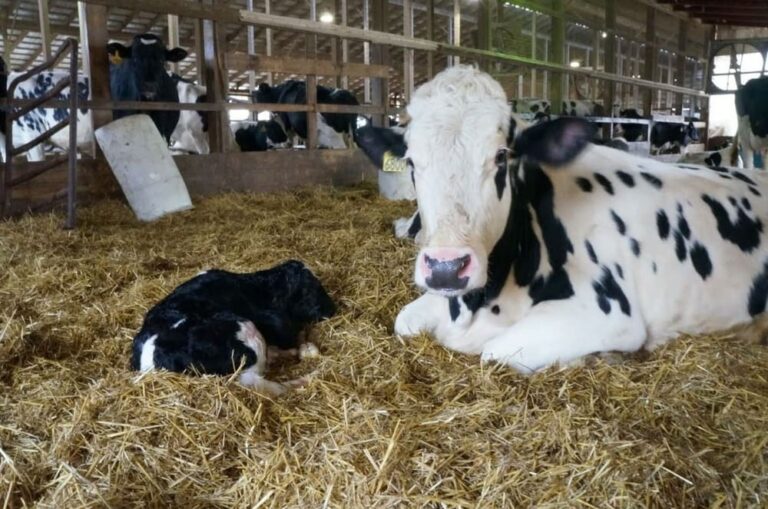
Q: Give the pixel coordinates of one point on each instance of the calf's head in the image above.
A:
(146, 58)
(463, 145)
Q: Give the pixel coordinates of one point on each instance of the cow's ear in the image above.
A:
(556, 142)
(175, 55)
(115, 48)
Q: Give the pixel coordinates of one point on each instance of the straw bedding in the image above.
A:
(382, 423)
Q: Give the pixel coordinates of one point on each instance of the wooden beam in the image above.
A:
(45, 28)
(329, 29)
(173, 37)
(609, 90)
(485, 28)
(557, 56)
(430, 37)
(344, 11)
(379, 56)
(408, 70)
(680, 71)
(216, 84)
(311, 83)
(651, 56)
(220, 13)
(456, 30)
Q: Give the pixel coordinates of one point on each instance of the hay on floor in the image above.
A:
(382, 424)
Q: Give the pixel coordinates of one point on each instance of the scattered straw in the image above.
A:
(382, 424)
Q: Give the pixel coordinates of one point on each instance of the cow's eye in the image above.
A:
(501, 156)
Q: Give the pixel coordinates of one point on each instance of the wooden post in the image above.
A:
(250, 35)
(609, 90)
(534, 41)
(557, 55)
(199, 50)
(83, 31)
(379, 54)
(431, 37)
(45, 28)
(594, 59)
(344, 43)
(268, 36)
(456, 28)
(681, 48)
(216, 82)
(311, 84)
(650, 58)
(366, 52)
(173, 37)
(485, 29)
(335, 43)
(408, 80)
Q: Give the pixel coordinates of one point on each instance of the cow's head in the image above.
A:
(690, 133)
(146, 56)
(460, 143)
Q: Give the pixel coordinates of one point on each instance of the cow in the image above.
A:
(35, 122)
(141, 76)
(631, 132)
(533, 106)
(667, 135)
(263, 135)
(295, 92)
(579, 108)
(384, 146)
(728, 156)
(533, 248)
(752, 110)
(219, 322)
(191, 131)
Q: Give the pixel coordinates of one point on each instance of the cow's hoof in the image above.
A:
(308, 351)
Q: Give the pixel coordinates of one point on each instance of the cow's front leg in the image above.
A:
(748, 156)
(422, 315)
(562, 332)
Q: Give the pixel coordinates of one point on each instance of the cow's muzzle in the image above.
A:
(446, 270)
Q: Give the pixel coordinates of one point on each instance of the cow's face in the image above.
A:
(460, 140)
(147, 57)
(758, 117)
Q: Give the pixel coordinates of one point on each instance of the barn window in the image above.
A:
(736, 64)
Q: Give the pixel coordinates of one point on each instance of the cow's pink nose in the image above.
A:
(447, 268)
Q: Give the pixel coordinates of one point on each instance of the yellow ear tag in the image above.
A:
(392, 163)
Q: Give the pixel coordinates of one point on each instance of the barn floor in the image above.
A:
(382, 424)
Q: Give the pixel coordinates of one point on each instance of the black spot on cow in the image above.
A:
(604, 182)
(415, 227)
(682, 223)
(554, 286)
(634, 245)
(701, 260)
(619, 270)
(607, 289)
(591, 251)
(746, 203)
(501, 179)
(680, 249)
(743, 178)
(687, 167)
(495, 310)
(626, 178)
(758, 294)
(651, 179)
(454, 308)
(732, 200)
(620, 226)
(745, 232)
(654, 267)
(754, 191)
(725, 176)
(719, 169)
(662, 223)
(584, 184)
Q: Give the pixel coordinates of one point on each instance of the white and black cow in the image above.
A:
(261, 136)
(191, 131)
(32, 124)
(534, 106)
(295, 92)
(668, 136)
(752, 110)
(728, 156)
(540, 248)
(581, 108)
(631, 132)
(142, 76)
(219, 322)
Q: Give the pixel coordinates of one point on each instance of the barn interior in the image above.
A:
(383, 422)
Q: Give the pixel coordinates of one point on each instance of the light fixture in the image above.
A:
(575, 64)
(603, 34)
(326, 17)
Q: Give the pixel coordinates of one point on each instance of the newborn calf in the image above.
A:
(219, 320)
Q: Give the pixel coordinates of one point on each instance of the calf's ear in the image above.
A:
(556, 142)
(115, 48)
(175, 55)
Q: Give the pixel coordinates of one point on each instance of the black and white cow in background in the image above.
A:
(582, 108)
(219, 322)
(728, 156)
(295, 92)
(536, 247)
(667, 135)
(752, 110)
(191, 131)
(261, 136)
(142, 76)
(632, 132)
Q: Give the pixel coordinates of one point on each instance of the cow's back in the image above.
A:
(696, 233)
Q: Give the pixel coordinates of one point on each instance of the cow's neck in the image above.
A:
(517, 254)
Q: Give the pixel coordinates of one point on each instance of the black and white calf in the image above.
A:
(261, 136)
(631, 132)
(752, 109)
(539, 248)
(666, 135)
(581, 108)
(219, 322)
